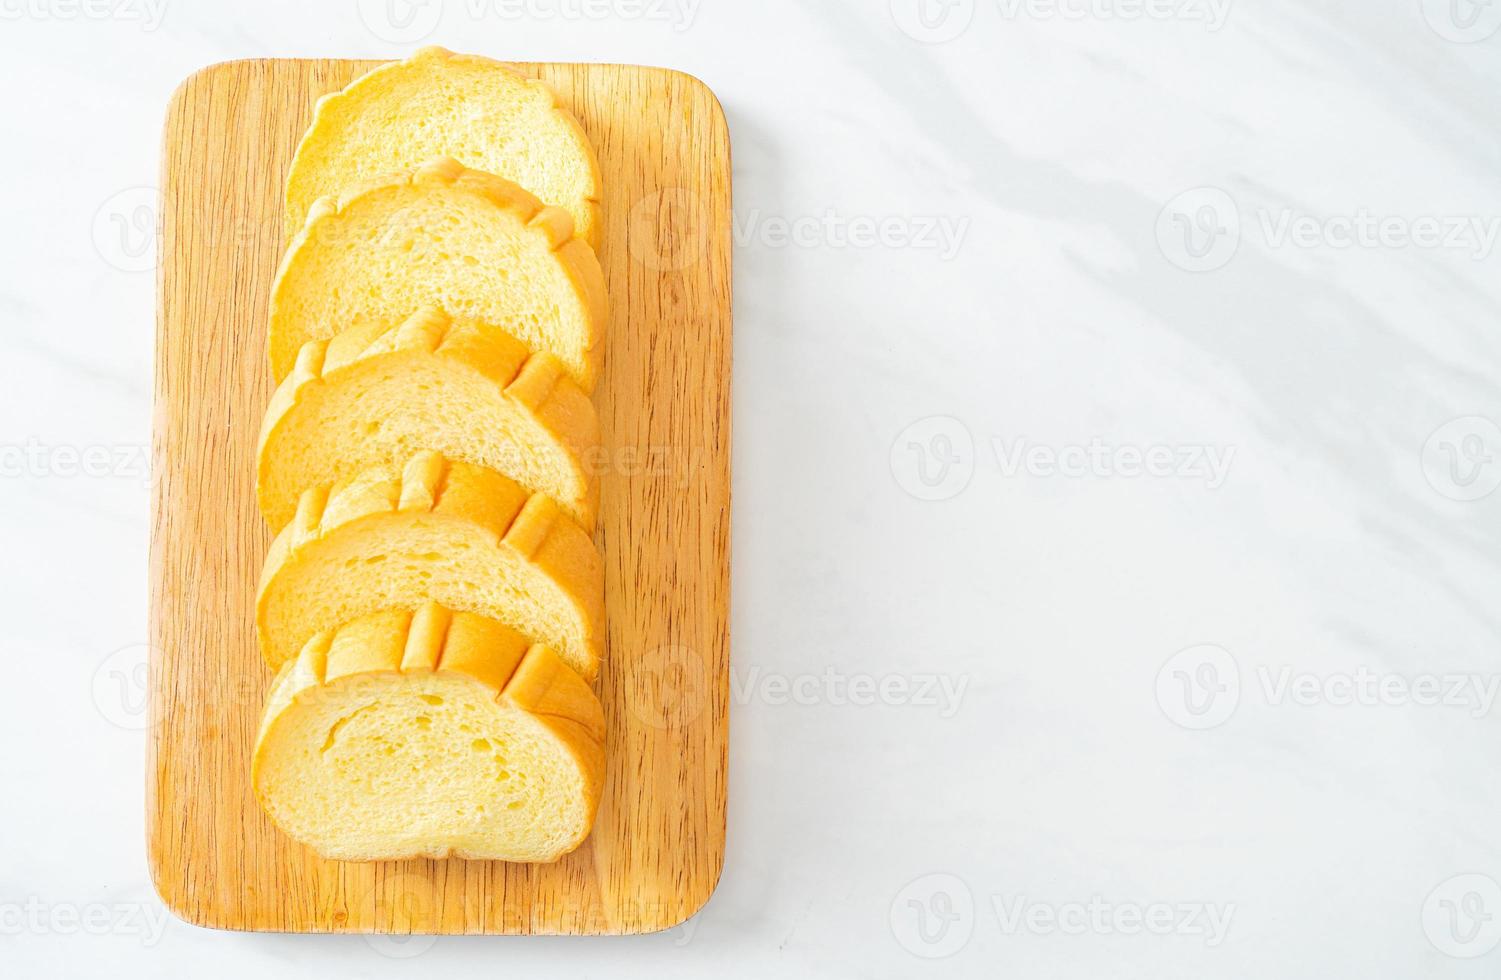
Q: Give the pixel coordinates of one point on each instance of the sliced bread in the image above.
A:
(437, 103)
(433, 529)
(434, 734)
(375, 395)
(471, 243)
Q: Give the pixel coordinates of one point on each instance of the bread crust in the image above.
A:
(586, 213)
(575, 257)
(531, 528)
(537, 383)
(514, 673)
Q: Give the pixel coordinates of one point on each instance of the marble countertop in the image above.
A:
(1116, 441)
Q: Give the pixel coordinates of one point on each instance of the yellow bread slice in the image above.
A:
(375, 395)
(437, 103)
(435, 734)
(471, 243)
(440, 530)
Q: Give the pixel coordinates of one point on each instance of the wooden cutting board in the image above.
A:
(664, 401)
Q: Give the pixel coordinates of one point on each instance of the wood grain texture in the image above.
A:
(657, 848)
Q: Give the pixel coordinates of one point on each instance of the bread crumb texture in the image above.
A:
(430, 733)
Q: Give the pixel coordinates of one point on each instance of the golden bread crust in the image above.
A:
(394, 643)
(584, 213)
(536, 383)
(554, 225)
(530, 528)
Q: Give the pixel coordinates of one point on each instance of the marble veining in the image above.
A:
(1116, 443)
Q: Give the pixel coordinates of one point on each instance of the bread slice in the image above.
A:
(437, 103)
(433, 734)
(474, 244)
(375, 395)
(451, 532)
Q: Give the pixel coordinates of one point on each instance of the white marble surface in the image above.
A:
(1169, 299)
